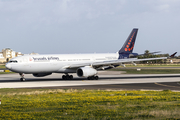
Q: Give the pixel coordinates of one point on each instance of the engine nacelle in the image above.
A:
(86, 71)
(41, 74)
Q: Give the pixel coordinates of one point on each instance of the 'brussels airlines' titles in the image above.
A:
(44, 58)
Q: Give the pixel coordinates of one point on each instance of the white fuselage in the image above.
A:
(55, 63)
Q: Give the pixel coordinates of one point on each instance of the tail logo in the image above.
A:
(128, 47)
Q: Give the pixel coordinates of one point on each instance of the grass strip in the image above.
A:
(2, 66)
(6, 72)
(88, 104)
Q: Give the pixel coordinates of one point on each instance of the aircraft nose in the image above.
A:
(8, 66)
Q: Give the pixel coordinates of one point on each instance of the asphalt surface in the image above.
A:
(148, 68)
(174, 86)
(107, 80)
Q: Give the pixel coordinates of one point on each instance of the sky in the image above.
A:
(89, 26)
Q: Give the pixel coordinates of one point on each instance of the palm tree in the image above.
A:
(146, 52)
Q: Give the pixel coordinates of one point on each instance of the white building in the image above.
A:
(8, 54)
(1, 55)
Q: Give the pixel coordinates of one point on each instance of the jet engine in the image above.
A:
(41, 74)
(86, 71)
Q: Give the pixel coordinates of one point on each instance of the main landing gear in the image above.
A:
(22, 77)
(93, 78)
(67, 77)
(70, 77)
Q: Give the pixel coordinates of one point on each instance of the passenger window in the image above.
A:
(13, 61)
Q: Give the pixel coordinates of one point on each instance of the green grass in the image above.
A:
(88, 104)
(149, 71)
(6, 72)
(6, 91)
(2, 66)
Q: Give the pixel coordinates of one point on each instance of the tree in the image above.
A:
(146, 52)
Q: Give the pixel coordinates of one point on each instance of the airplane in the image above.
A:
(84, 65)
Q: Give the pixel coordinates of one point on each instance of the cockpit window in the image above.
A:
(13, 61)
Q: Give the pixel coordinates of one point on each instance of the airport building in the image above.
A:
(8, 54)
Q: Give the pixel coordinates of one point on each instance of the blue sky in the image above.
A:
(89, 26)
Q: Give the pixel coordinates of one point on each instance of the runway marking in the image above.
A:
(166, 85)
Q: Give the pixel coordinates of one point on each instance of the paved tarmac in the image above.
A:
(174, 86)
(107, 80)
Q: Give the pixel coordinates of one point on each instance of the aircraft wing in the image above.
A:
(112, 62)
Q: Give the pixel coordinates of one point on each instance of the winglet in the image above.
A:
(129, 44)
(173, 55)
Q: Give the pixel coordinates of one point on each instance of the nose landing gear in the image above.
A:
(22, 77)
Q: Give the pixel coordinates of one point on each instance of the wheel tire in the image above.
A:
(22, 79)
(67, 77)
(64, 77)
(71, 77)
(96, 77)
(91, 78)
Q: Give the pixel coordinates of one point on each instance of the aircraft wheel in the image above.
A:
(64, 77)
(22, 79)
(71, 77)
(93, 78)
(96, 77)
(67, 77)
(89, 78)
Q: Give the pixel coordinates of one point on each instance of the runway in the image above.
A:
(113, 81)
